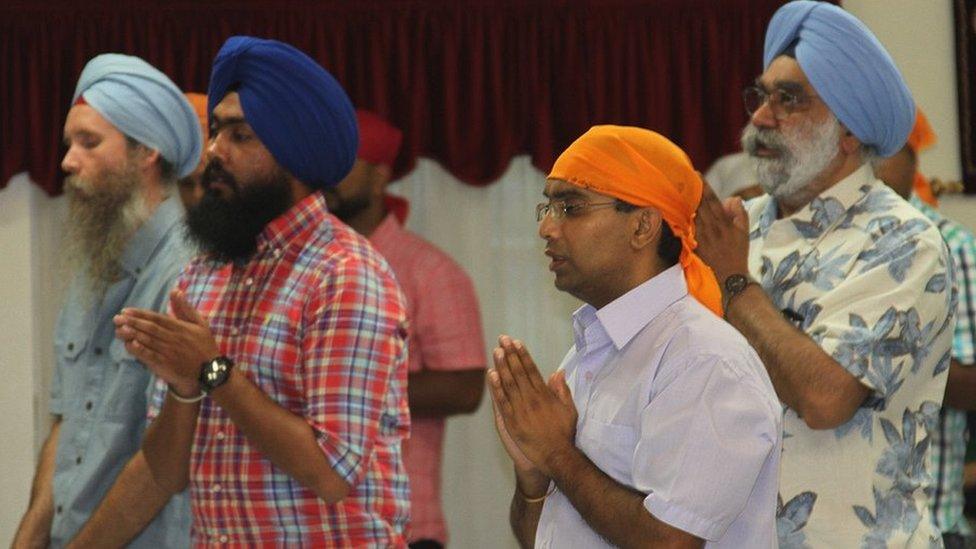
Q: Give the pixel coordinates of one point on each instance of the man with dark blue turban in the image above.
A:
(130, 134)
(844, 289)
(285, 353)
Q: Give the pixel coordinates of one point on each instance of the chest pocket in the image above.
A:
(610, 446)
(126, 386)
(69, 344)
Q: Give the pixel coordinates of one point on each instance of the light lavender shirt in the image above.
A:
(674, 403)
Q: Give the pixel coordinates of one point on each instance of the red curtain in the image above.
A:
(471, 83)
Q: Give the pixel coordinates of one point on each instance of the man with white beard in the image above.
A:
(129, 135)
(844, 290)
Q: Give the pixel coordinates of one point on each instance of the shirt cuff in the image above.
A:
(683, 519)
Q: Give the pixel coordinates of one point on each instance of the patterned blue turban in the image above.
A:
(296, 108)
(849, 69)
(144, 104)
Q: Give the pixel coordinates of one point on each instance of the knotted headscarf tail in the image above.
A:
(921, 138)
(296, 108)
(849, 69)
(644, 168)
(144, 104)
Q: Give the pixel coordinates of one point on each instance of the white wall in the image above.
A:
(29, 292)
(919, 36)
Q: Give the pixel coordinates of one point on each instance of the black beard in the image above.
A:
(227, 229)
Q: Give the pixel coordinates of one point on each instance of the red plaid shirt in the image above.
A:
(317, 321)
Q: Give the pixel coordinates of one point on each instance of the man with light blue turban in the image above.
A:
(129, 134)
(844, 289)
(285, 354)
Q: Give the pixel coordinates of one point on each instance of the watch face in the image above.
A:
(736, 283)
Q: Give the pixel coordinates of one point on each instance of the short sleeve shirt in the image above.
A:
(868, 278)
(673, 403)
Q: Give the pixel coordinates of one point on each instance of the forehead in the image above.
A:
(559, 188)
(229, 107)
(83, 118)
(784, 71)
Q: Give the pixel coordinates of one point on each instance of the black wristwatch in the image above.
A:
(734, 285)
(215, 373)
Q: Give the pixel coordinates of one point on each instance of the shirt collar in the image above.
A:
(148, 237)
(307, 211)
(813, 219)
(627, 315)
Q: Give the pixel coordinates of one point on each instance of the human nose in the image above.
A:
(70, 161)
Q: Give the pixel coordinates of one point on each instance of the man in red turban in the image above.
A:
(447, 352)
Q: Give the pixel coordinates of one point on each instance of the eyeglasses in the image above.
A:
(782, 102)
(560, 209)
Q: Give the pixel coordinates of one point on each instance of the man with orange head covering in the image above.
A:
(446, 349)
(191, 190)
(661, 426)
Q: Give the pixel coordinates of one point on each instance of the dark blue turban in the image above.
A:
(296, 108)
(849, 68)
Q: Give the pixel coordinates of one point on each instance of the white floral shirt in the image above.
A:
(869, 278)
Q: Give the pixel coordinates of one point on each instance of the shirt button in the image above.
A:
(215, 488)
(249, 281)
(98, 351)
(78, 460)
(220, 435)
(88, 405)
(138, 270)
(223, 539)
(276, 252)
(59, 509)
(234, 331)
(71, 346)
(589, 376)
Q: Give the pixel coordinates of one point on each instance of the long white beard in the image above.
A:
(803, 155)
(102, 217)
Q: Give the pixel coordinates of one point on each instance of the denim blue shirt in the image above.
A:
(100, 390)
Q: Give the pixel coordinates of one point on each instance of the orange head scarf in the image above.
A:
(921, 138)
(199, 103)
(643, 168)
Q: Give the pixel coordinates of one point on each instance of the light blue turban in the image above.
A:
(849, 68)
(144, 104)
(296, 108)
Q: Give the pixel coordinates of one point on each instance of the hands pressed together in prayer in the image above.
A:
(536, 421)
(722, 232)
(173, 347)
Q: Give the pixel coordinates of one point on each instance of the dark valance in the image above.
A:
(471, 83)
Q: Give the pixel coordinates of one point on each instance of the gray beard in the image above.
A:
(803, 155)
(102, 218)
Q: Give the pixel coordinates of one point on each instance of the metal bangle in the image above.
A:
(184, 400)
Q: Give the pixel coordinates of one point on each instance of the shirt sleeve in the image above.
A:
(704, 439)
(354, 360)
(447, 321)
(964, 337)
(881, 321)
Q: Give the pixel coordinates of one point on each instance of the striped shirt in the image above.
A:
(316, 320)
(950, 437)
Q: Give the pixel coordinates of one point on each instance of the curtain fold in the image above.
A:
(471, 83)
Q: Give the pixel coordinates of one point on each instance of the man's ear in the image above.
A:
(380, 177)
(849, 144)
(648, 227)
